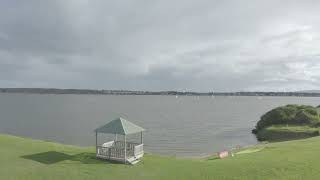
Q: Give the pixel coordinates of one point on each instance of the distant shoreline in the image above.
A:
(173, 93)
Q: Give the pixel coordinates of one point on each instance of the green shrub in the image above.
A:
(311, 110)
(302, 117)
(283, 133)
(290, 114)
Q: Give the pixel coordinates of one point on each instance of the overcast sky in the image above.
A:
(161, 45)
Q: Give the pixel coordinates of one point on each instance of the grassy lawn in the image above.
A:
(282, 133)
(32, 159)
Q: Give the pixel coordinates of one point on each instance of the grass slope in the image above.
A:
(32, 159)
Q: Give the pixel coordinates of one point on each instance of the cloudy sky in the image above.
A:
(161, 45)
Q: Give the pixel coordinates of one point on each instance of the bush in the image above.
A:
(274, 125)
(283, 133)
(290, 114)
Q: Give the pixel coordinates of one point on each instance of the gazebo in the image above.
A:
(120, 150)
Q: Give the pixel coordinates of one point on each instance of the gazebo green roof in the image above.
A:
(120, 126)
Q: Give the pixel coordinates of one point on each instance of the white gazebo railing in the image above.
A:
(114, 150)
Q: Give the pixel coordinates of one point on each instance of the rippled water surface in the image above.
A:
(183, 126)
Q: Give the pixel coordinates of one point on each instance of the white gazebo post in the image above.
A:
(125, 149)
(141, 138)
(96, 142)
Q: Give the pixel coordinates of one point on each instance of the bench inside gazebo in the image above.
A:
(120, 150)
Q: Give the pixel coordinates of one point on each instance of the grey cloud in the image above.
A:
(150, 45)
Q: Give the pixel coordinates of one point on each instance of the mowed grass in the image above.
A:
(28, 159)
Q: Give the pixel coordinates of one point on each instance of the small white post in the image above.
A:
(125, 150)
(141, 138)
(96, 143)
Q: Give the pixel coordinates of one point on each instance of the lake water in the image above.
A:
(183, 126)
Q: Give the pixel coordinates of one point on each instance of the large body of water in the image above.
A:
(184, 126)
